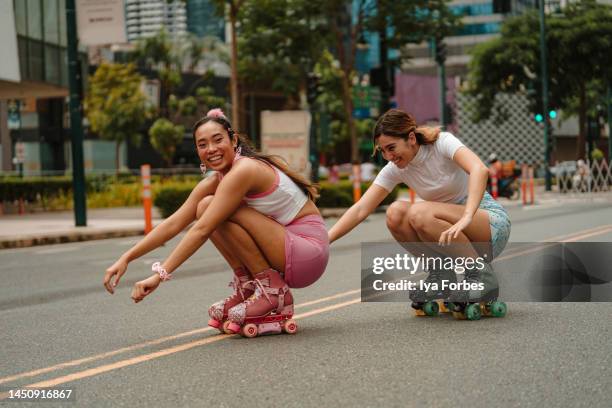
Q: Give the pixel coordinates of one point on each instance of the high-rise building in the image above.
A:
(33, 83)
(482, 20)
(203, 21)
(145, 18)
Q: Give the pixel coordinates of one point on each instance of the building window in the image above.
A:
(21, 14)
(34, 19)
(52, 64)
(51, 21)
(63, 40)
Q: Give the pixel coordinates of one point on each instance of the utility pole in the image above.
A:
(76, 123)
(312, 92)
(608, 99)
(439, 50)
(543, 59)
(385, 92)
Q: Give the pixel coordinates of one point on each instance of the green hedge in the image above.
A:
(341, 194)
(32, 189)
(169, 199)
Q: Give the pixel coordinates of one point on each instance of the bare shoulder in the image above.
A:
(246, 167)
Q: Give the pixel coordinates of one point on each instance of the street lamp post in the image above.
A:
(543, 59)
(608, 100)
(76, 123)
(439, 50)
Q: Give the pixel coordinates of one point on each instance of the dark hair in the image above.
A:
(397, 123)
(247, 150)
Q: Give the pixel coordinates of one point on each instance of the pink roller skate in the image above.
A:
(268, 310)
(243, 288)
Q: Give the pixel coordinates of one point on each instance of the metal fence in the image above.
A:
(580, 177)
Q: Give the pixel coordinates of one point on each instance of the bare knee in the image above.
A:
(396, 216)
(419, 216)
(203, 205)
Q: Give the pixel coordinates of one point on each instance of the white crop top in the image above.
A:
(282, 202)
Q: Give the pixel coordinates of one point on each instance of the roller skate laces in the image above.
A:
(243, 289)
(268, 310)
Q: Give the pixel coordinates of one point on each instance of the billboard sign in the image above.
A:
(101, 22)
(286, 134)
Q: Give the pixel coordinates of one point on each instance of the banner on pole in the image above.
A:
(101, 22)
(286, 134)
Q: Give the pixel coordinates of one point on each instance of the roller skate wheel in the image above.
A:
(232, 328)
(215, 324)
(498, 309)
(419, 312)
(225, 329)
(249, 330)
(472, 311)
(444, 307)
(290, 327)
(431, 308)
(459, 315)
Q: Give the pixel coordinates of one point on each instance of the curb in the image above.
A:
(63, 238)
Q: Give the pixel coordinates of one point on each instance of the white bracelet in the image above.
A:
(163, 274)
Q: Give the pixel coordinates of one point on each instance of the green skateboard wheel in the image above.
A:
(498, 309)
(472, 312)
(431, 308)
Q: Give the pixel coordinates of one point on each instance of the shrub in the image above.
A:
(169, 199)
(341, 194)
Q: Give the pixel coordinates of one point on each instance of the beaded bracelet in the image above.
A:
(163, 274)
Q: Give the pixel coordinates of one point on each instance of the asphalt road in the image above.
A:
(60, 328)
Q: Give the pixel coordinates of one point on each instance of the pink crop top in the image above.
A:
(283, 201)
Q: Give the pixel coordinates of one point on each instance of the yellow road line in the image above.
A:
(135, 360)
(161, 353)
(138, 346)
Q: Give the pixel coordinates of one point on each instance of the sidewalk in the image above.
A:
(17, 231)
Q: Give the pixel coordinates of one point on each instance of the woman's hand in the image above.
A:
(115, 270)
(145, 287)
(453, 232)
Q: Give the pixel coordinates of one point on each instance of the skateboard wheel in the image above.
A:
(459, 315)
(290, 327)
(472, 311)
(431, 308)
(498, 309)
(225, 329)
(249, 330)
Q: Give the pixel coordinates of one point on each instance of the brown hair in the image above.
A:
(247, 150)
(397, 123)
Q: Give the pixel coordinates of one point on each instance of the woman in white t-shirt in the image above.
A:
(451, 182)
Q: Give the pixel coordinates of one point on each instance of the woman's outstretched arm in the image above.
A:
(358, 212)
(162, 233)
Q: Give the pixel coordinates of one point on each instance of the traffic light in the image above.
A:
(440, 51)
(312, 88)
(552, 114)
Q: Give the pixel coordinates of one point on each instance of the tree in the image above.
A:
(169, 58)
(165, 136)
(233, 8)
(579, 42)
(280, 42)
(115, 105)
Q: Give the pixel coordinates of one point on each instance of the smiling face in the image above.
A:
(215, 148)
(398, 150)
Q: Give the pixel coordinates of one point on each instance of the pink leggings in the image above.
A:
(306, 251)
